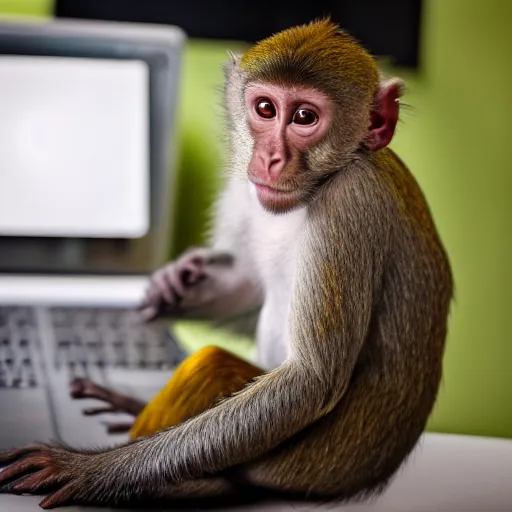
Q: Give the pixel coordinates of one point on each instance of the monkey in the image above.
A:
(323, 230)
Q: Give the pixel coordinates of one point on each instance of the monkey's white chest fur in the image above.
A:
(275, 243)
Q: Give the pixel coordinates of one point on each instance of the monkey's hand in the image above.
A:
(65, 475)
(185, 283)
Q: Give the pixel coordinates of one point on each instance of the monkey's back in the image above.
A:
(359, 445)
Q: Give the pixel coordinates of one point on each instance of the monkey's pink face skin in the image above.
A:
(285, 122)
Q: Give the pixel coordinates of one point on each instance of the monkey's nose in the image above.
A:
(275, 167)
(268, 163)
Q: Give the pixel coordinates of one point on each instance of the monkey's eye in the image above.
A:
(265, 108)
(304, 116)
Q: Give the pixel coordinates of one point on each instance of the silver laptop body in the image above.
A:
(86, 175)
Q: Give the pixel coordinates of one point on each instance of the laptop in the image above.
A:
(87, 139)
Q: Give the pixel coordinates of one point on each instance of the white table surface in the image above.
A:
(446, 473)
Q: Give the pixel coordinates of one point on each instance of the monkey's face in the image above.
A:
(286, 123)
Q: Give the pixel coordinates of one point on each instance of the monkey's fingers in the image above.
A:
(151, 311)
(159, 296)
(37, 483)
(192, 273)
(94, 411)
(49, 469)
(148, 313)
(164, 286)
(63, 496)
(152, 299)
(21, 468)
(10, 456)
(118, 428)
(84, 388)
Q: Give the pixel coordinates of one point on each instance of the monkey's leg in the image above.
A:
(197, 384)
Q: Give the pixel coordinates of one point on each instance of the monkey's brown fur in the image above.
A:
(368, 320)
(300, 55)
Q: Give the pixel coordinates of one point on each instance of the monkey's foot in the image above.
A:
(84, 388)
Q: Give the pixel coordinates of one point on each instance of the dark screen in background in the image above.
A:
(388, 28)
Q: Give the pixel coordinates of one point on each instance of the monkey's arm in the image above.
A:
(219, 281)
(337, 275)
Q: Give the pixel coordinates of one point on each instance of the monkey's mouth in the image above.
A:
(277, 200)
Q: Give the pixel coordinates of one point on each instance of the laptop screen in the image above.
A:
(87, 146)
(73, 147)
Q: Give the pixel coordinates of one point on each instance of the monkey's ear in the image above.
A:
(384, 115)
(232, 63)
(233, 57)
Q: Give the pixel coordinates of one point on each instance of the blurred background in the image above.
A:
(455, 58)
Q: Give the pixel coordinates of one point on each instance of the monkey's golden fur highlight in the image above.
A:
(198, 383)
(318, 54)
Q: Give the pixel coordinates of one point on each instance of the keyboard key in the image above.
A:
(84, 340)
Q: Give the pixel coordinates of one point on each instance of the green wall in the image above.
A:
(455, 142)
(28, 7)
(453, 138)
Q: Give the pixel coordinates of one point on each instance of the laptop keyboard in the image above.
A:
(17, 344)
(83, 340)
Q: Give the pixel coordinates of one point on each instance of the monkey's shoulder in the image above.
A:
(398, 178)
(403, 189)
(411, 211)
